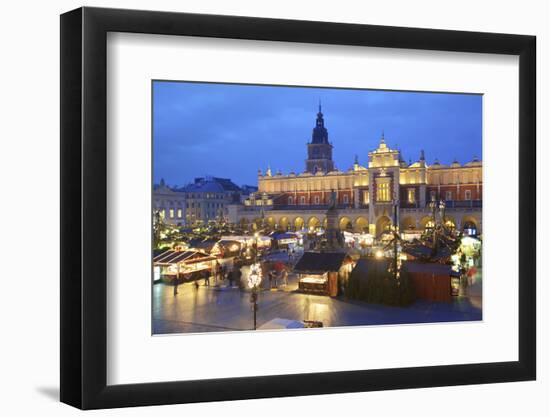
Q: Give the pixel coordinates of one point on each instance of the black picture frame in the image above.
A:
(84, 207)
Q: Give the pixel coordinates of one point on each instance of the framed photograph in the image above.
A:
(258, 208)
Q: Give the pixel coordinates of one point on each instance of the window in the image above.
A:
(302, 200)
(383, 191)
(448, 195)
(432, 195)
(290, 200)
(411, 195)
(366, 196)
(346, 199)
(180, 213)
(171, 213)
(316, 199)
(468, 195)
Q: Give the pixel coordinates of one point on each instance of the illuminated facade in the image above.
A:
(204, 200)
(365, 194)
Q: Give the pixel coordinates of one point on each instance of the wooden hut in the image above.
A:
(320, 272)
(432, 281)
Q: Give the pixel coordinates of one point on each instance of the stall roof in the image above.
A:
(320, 262)
(283, 235)
(175, 257)
(429, 268)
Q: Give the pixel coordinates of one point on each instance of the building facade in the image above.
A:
(365, 194)
(204, 200)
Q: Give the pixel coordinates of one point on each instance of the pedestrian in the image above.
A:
(238, 275)
(270, 276)
(176, 282)
(206, 276)
(216, 272)
(275, 277)
(230, 277)
(285, 277)
(196, 283)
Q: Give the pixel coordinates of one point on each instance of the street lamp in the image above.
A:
(254, 281)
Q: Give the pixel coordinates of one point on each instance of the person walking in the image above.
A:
(275, 278)
(284, 276)
(230, 278)
(216, 272)
(238, 275)
(206, 276)
(176, 282)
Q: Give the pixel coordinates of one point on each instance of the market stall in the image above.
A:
(181, 265)
(320, 272)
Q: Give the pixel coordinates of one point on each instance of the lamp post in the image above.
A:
(395, 237)
(254, 280)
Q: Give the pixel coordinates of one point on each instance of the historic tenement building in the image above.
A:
(365, 194)
(204, 200)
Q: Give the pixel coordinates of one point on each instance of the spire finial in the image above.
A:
(422, 158)
(356, 162)
(319, 105)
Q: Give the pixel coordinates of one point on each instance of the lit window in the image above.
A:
(448, 195)
(366, 197)
(411, 195)
(468, 194)
(180, 213)
(383, 191)
(171, 213)
(162, 213)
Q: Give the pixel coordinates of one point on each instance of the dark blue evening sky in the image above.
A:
(231, 131)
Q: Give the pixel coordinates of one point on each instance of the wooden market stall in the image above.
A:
(433, 281)
(182, 265)
(320, 272)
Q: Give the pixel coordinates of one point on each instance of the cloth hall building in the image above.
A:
(365, 194)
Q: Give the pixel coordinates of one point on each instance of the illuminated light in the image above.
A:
(234, 247)
(379, 254)
(156, 273)
(255, 276)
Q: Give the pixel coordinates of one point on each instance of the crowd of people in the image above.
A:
(277, 275)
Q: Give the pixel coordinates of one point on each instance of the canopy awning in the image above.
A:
(173, 257)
